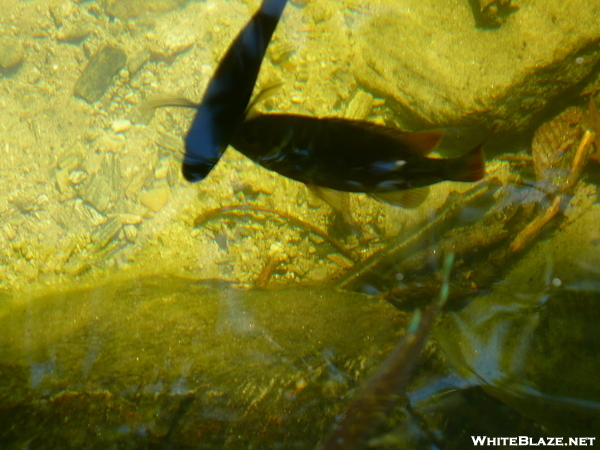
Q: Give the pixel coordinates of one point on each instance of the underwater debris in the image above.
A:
(238, 211)
(374, 400)
(578, 163)
(594, 124)
(554, 144)
(381, 267)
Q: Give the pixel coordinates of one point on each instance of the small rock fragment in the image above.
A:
(130, 219)
(360, 106)
(98, 74)
(155, 199)
(98, 192)
(63, 181)
(77, 176)
(340, 260)
(106, 232)
(120, 126)
(73, 34)
(131, 232)
(170, 42)
(318, 273)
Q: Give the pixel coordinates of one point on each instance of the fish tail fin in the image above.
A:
(273, 8)
(468, 167)
(162, 100)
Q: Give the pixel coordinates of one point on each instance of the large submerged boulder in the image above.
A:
(438, 69)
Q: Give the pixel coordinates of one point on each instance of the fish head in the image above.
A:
(260, 137)
(197, 162)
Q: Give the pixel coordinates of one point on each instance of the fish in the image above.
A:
(226, 98)
(334, 155)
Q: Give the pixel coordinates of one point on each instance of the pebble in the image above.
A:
(340, 260)
(63, 181)
(112, 144)
(169, 42)
(161, 173)
(9, 232)
(120, 126)
(130, 219)
(318, 273)
(77, 176)
(360, 106)
(98, 74)
(131, 232)
(11, 52)
(155, 199)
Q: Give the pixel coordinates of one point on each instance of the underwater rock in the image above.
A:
(162, 362)
(11, 52)
(98, 192)
(360, 106)
(168, 42)
(104, 233)
(438, 70)
(99, 72)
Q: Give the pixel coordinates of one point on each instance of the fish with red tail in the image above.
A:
(333, 154)
(226, 98)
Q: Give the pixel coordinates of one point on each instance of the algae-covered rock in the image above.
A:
(173, 362)
(99, 72)
(438, 69)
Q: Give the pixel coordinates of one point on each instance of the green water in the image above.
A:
(138, 311)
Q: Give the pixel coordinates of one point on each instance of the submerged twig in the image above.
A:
(265, 274)
(354, 430)
(527, 234)
(580, 159)
(379, 263)
(244, 210)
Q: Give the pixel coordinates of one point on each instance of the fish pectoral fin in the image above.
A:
(423, 142)
(407, 198)
(162, 100)
(269, 90)
(333, 198)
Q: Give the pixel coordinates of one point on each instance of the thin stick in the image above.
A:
(243, 210)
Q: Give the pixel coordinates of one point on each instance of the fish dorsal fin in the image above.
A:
(330, 196)
(268, 91)
(162, 100)
(422, 142)
(407, 198)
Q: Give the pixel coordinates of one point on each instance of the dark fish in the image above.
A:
(333, 154)
(228, 93)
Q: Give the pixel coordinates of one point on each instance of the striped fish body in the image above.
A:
(350, 155)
